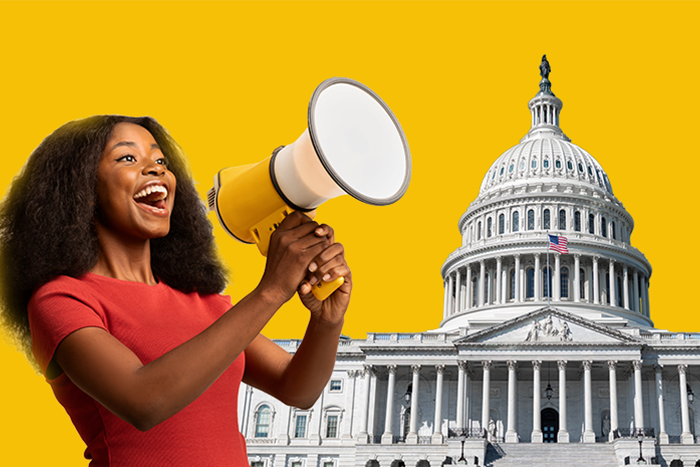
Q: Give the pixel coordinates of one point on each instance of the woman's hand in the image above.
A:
(293, 246)
(327, 267)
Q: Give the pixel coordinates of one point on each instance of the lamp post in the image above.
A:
(691, 396)
(462, 439)
(640, 438)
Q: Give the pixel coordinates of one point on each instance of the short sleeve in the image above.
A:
(56, 310)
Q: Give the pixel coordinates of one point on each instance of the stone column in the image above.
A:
(362, 437)
(563, 435)
(388, 436)
(437, 426)
(499, 280)
(577, 278)
(517, 278)
(458, 291)
(538, 278)
(588, 434)
(663, 436)
(686, 436)
(470, 290)
(482, 280)
(556, 283)
(461, 368)
(635, 291)
(612, 367)
(611, 284)
(412, 437)
(625, 287)
(486, 395)
(536, 399)
(596, 278)
(349, 403)
(512, 432)
(638, 407)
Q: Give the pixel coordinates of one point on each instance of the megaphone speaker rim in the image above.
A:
(337, 178)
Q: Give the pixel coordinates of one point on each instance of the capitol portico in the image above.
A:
(541, 358)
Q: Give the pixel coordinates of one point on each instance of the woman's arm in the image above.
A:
(299, 380)
(145, 395)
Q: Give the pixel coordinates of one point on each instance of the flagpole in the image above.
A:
(548, 278)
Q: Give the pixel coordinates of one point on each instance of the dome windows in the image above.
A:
(569, 165)
(604, 227)
(590, 172)
(522, 165)
(591, 224)
(546, 220)
(502, 170)
(531, 220)
(530, 284)
(564, 281)
(493, 175)
(512, 166)
(478, 230)
(562, 219)
(577, 221)
(501, 224)
(534, 163)
(546, 163)
(557, 164)
(489, 226)
(516, 221)
(580, 167)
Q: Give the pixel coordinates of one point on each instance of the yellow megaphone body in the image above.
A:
(353, 145)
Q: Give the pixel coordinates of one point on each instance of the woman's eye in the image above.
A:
(162, 161)
(127, 158)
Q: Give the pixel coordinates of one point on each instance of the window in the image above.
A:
(546, 163)
(591, 223)
(488, 227)
(604, 227)
(558, 164)
(522, 164)
(475, 292)
(262, 427)
(580, 167)
(296, 464)
(487, 283)
(606, 288)
(614, 234)
(516, 221)
(501, 173)
(257, 464)
(300, 428)
(564, 278)
(478, 230)
(590, 172)
(328, 464)
(547, 282)
(510, 169)
(332, 427)
(534, 163)
(619, 292)
(562, 219)
(512, 285)
(531, 220)
(569, 165)
(546, 220)
(577, 221)
(530, 284)
(336, 385)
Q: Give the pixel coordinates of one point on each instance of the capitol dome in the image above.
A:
(545, 185)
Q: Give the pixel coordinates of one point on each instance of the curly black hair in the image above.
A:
(47, 229)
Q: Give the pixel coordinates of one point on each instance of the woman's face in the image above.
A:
(135, 189)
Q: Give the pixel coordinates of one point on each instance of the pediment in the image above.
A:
(549, 326)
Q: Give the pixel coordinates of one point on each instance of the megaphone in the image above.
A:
(353, 145)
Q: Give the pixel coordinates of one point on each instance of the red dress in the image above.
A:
(149, 320)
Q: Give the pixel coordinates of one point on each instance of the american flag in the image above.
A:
(558, 244)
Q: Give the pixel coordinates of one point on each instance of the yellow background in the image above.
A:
(231, 81)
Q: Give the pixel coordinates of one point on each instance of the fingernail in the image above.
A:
(313, 280)
(312, 267)
(327, 277)
(319, 231)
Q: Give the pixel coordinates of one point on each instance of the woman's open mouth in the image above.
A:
(152, 199)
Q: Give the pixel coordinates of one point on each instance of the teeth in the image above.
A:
(151, 189)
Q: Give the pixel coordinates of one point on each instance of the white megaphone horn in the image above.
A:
(353, 144)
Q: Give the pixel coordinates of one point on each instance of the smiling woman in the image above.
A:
(114, 288)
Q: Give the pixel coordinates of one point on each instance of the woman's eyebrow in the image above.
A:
(131, 144)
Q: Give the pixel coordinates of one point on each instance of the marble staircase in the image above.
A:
(550, 455)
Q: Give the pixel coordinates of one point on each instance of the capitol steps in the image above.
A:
(550, 455)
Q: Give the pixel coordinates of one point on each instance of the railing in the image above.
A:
(421, 337)
(468, 432)
(675, 337)
(632, 433)
(261, 440)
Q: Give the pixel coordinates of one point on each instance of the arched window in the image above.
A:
(489, 229)
(603, 227)
(530, 283)
(546, 282)
(516, 221)
(577, 221)
(545, 220)
(582, 283)
(591, 223)
(614, 233)
(511, 294)
(531, 220)
(564, 280)
(562, 219)
(262, 425)
(478, 230)
(501, 224)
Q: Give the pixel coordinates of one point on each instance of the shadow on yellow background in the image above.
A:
(231, 81)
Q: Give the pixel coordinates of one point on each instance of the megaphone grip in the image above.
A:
(323, 290)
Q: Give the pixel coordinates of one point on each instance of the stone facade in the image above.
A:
(534, 347)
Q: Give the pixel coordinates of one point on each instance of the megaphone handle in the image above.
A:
(323, 290)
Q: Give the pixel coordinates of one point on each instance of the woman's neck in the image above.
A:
(123, 259)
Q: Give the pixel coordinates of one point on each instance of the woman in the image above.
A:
(109, 264)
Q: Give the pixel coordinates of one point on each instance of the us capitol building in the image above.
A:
(537, 361)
